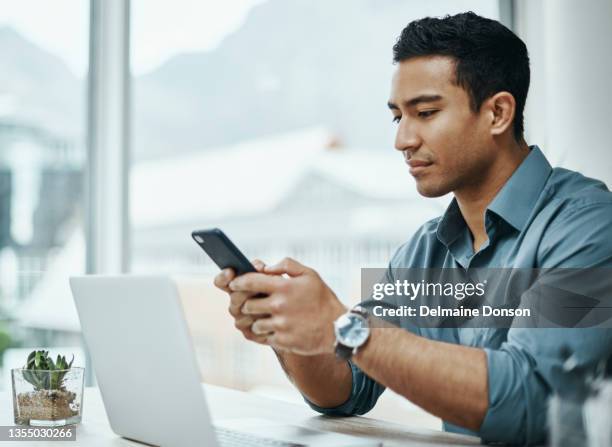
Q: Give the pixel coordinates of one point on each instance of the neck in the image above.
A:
(474, 199)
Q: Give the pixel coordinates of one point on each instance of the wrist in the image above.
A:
(352, 332)
(338, 309)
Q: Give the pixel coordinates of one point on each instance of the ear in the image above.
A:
(501, 109)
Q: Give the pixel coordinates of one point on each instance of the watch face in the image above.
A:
(352, 330)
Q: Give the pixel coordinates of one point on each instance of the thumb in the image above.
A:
(258, 264)
(289, 266)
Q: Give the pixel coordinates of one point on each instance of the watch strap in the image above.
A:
(343, 352)
(360, 311)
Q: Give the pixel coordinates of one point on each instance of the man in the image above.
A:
(457, 96)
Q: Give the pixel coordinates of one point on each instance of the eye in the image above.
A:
(426, 113)
(396, 119)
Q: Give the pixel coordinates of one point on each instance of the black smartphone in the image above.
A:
(222, 250)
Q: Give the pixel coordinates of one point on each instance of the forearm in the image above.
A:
(449, 381)
(322, 379)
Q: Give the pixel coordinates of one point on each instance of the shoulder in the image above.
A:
(570, 190)
(580, 213)
(576, 202)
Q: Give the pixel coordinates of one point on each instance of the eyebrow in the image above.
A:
(416, 100)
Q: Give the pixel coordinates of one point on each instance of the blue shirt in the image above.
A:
(541, 218)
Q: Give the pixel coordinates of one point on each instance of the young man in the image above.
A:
(457, 96)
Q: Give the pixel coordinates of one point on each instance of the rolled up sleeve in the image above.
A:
(365, 391)
(518, 398)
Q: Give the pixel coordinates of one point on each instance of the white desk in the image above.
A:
(226, 403)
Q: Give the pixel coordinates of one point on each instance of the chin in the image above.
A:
(431, 191)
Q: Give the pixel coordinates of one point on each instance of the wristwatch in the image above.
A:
(352, 331)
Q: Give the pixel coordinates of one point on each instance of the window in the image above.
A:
(42, 155)
(268, 119)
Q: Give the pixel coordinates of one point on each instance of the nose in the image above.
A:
(407, 138)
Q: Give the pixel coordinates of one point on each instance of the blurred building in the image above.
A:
(40, 191)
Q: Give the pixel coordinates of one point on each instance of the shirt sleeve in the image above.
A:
(364, 394)
(521, 373)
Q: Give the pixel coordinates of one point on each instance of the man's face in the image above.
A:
(447, 146)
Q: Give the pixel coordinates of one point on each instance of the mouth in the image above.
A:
(417, 167)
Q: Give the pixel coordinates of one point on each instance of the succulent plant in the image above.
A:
(45, 374)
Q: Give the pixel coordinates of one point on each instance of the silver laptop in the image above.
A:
(139, 343)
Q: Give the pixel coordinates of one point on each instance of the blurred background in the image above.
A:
(125, 125)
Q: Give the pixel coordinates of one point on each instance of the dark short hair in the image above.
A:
(489, 57)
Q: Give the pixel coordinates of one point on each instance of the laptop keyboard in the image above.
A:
(232, 438)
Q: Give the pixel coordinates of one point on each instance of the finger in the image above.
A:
(264, 326)
(237, 299)
(244, 323)
(223, 279)
(288, 265)
(258, 264)
(249, 335)
(256, 306)
(261, 339)
(256, 283)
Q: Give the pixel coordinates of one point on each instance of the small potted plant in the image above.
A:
(47, 393)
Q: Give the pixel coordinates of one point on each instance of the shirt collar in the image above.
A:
(513, 203)
(451, 224)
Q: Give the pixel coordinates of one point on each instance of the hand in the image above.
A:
(300, 308)
(242, 322)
